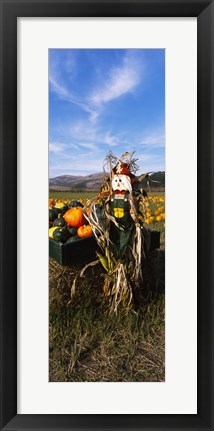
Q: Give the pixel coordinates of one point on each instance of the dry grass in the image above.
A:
(88, 344)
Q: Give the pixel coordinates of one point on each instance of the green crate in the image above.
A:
(152, 240)
(81, 250)
(84, 249)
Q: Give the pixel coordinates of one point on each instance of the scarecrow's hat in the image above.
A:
(123, 169)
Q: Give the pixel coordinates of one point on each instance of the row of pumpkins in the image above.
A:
(67, 222)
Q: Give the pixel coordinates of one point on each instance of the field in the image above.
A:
(86, 195)
(71, 195)
(88, 344)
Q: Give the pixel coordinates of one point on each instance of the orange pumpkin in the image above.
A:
(51, 202)
(159, 218)
(85, 230)
(75, 217)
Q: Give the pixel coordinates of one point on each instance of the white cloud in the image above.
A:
(70, 64)
(57, 147)
(85, 145)
(110, 140)
(67, 96)
(58, 89)
(89, 163)
(84, 165)
(82, 131)
(61, 148)
(63, 64)
(89, 134)
(153, 139)
(122, 80)
(89, 146)
(93, 116)
(57, 69)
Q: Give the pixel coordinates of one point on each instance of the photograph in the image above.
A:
(107, 297)
(106, 215)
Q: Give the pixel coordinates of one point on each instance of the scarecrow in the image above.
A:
(121, 206)
(116, 216)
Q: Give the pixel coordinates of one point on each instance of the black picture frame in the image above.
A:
(10, 11)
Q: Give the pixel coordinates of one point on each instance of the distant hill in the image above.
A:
(157, 176)
(93, 182)
(77, 183)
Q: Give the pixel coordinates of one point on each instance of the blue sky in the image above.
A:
(102, 100)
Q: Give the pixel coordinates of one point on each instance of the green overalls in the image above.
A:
(120, 209)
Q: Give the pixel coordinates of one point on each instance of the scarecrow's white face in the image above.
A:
(121, 182)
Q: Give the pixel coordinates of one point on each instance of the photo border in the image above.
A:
(10, 11)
